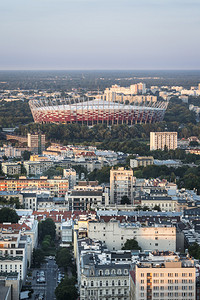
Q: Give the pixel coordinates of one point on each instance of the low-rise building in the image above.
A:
(141, 161)
(11, 168)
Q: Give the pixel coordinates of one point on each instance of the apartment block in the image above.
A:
(13, 252)
(163, 275)
(121, 184)
(102, 274)
(141, 161)
(114, 234)
(56, 186)
(162, 140)
(11, 168)
(70, 174)
(36, 143)
(37, 167)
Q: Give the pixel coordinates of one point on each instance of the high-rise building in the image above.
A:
(162, 140)
(121, 184)
(36, 142)
(163, 275)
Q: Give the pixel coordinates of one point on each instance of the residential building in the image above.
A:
(37, 167)
(163, 275)
(121, 184)
(162, 140)
(70, 174)
(141, 161)
(13, 252)
(11, 168)
(102, 274)
(86, 195)
(9, 286)
(57, 186)
(114, 234)
(36, 142)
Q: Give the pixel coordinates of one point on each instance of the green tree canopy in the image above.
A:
(131, 244)
(8, 215)
(64, 258)
(125, 200)
(38, 257)
(67, 289)
(46, 228)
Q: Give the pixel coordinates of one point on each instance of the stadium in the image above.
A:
(91, 112)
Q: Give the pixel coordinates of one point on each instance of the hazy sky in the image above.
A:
(99, 34)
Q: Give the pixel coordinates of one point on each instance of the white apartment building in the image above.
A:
(134, 89)
(11, 168)
(115, 234)
(102, 274)
(141, 161)
(70, 174)
(163, 276)
(13, 252)
(36, 142)
(66, 232)
(121, 184)
(37, 167)
(162, 140)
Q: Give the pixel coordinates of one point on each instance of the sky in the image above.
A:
(99, 34)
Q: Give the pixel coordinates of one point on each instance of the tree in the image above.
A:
(64, 258)
(46, 228)
(157, 207)
(131, 244)
(194, 144)
(125, 200)
(194, 250)
(26, 155)
(66, 289)
(38, 257)
(8, 215)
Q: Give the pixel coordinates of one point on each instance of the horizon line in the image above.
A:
(96, 69)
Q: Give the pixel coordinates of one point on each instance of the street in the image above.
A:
(47, 289)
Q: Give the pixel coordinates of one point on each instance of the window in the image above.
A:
(100, 273)
(113, 282)
(125, 282)
(92, 283)
(107, 272)
(142, 274)
(100, 283)
(106, 282)
(119, 283)
(142, 288)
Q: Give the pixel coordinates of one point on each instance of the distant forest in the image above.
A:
(93, 80)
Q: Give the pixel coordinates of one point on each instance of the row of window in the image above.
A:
(170, 294)
(107, 283)
(168, 274)
(113, 272)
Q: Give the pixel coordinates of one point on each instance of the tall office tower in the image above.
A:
(36, 142)
(121, 184)
(163, 276)
(162, 140)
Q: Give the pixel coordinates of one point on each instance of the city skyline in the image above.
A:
(86, 34)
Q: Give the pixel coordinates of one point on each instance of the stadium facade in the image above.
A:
(91, 112)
